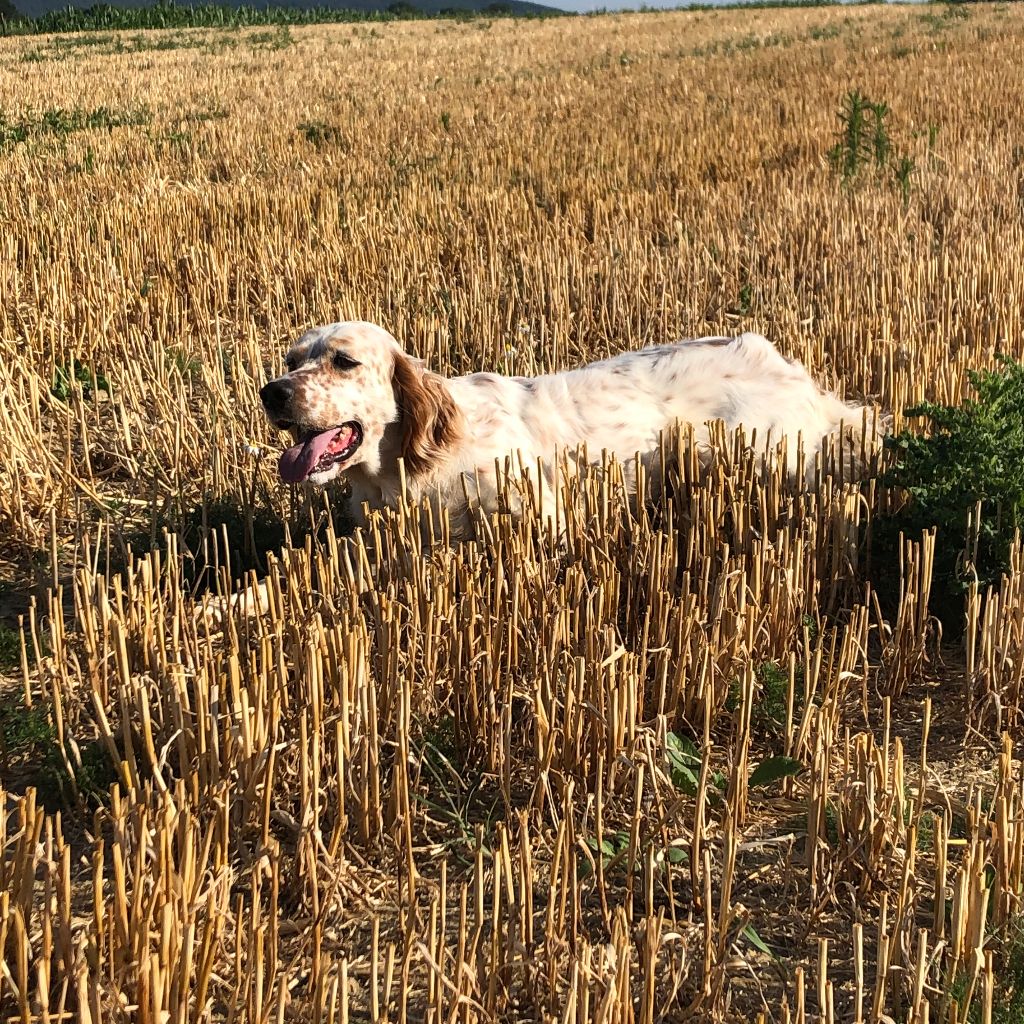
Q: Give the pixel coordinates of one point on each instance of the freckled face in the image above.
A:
(336, 399)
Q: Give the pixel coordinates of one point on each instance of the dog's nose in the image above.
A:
(276, 395)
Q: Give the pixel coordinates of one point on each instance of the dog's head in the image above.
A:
(352, 397)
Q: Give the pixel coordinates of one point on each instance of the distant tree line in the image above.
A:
(168, 14)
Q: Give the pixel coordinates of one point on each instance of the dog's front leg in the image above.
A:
(252, 601)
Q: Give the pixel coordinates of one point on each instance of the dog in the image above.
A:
(356, 404)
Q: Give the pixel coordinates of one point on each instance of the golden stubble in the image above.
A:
(432, 784)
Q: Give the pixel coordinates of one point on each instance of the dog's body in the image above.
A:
(357, 404)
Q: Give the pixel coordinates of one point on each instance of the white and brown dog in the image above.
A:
(356, 403)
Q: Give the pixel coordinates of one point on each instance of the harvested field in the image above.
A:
(711, 761)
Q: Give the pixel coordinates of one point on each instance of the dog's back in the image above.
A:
(624, 404)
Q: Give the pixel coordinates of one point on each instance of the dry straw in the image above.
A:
(530, 777)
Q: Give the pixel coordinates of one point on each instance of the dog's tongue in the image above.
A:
(297, 462)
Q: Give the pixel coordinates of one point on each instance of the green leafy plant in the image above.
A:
(926, 831)
(774, 769)
(202, 116)
(73, 374)
(964, 477)
(757, 942)
(93, 776)
(29, 749)
(24, 730)
(454, 793)
(828, 31)
(614, 846)
(768, 715)
(745, 300)
(1008, 998)
(903, 170)
(223, 528)
(61, 122)
(186, 365)
(10, 648)
(853, 148)
(684, 760)
(950, 13)
(880, 144)
(864, 141)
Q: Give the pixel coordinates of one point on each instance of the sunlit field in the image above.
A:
(711, 759)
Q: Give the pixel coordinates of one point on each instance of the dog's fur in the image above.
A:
(453, 434)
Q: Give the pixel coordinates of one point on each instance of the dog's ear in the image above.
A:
(430, 419)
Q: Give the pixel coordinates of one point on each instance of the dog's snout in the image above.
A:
(277, 394)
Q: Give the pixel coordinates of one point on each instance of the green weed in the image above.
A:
(29, 750)
(945, 18)
(453, 791)
(321, 134)
(1008, 999)
(60, 122)
(24, 731)
(863, 141)
(73, 375)
(186, 365)
(902, 171)
(969, 456)
(221, 531)
(10, 648)
(684, 761)
(275, 39)
(745, 299)
(829, 31)
(612, 850)
(202, 116)
(768, 715)
(862, 135)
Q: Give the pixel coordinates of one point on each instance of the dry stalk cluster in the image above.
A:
(679, 761)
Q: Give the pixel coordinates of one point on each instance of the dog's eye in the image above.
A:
(344, 362)
(290, 362)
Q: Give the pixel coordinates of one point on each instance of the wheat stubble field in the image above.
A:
(514, 780)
